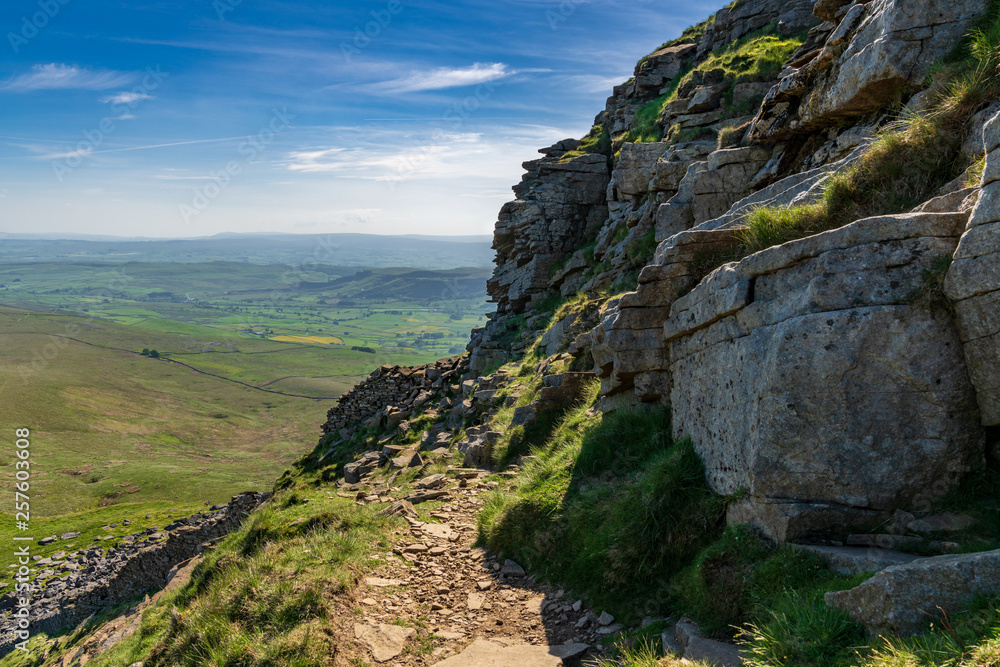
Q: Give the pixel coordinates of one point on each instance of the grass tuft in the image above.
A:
(611, 507)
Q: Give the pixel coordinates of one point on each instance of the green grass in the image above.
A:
(741, 576)
(799, 631)
(904, 166)
(144, 436)
(268, 594)
(646, 122)
(641, 250)
(403, 312)
(908, 161)
(755, 57)
(598, 140)
(611, 507)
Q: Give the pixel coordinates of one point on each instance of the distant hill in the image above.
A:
(351, 250)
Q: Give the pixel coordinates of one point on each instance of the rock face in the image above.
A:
(877, 50)
(825, 377)
(905, 598)
(973, 283)
(558, 201)
(818, 342)
(390, 394)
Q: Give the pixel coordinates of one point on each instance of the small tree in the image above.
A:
(145, 352)
(154, 354)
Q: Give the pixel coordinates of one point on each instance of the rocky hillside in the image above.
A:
(739, 401)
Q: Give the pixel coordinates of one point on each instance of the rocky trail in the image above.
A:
(440, 600)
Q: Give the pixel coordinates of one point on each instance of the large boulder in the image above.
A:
(905, 598)
(812, 376)
(973, 284)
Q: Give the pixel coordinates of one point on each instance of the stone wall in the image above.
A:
(91, 581)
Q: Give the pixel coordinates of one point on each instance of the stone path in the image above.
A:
(440, 601)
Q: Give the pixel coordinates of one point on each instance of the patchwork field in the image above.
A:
(141, 406)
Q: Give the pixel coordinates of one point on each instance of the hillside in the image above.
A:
(738, 403)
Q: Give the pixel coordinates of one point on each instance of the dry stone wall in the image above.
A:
(90, 581)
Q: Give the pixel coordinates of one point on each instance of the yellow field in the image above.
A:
(323, 340)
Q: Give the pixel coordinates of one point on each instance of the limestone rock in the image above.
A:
(635, 164)
(483, 653)
(385, 641)
(804, 337)
(697, 648)
(827, 9)
(856, 560)
(512, 569)
(945, 522)
(973, 284)
(878, 50)
(905, 598)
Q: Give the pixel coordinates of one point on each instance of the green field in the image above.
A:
(119, 435)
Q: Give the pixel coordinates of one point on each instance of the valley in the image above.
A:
(241, 362)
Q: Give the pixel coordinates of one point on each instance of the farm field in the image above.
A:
(236, 390)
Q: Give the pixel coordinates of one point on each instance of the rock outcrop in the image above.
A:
(835, 393)
(973, 283)
(874, 51)
(906, 598)
(824, 378)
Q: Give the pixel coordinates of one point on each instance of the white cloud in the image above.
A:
(438, 155)
(56, 76)
(445, 77)
(129, 98)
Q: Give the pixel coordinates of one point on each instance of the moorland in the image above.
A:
(154, 388)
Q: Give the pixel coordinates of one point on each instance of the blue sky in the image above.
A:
(175, 118)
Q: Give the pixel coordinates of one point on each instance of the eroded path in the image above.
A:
(439, 600)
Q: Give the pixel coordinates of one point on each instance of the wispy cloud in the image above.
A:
(126, 98)
(57, 76)
(445, 77)
(441, 154)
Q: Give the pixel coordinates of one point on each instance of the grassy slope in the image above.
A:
(276, 592)
(148, 436)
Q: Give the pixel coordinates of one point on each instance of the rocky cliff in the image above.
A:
(826, 380)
